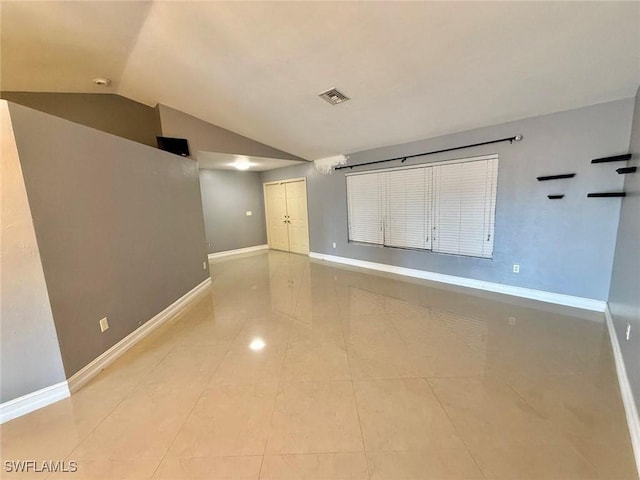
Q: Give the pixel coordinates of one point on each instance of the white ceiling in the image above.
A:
(412, 69)
(61, 46)
(226, 161)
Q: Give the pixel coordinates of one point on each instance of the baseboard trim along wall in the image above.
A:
(630, 408)
(33, 401)
(82, 376)
(550, 297)
(48, 395)
(237, 251)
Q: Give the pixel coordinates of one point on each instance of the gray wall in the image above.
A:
(226, 197)
(563, 246)
(107, 112)
(624, 298)
(203, 136)
(119, 226)
(29, 352)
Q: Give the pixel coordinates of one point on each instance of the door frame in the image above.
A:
(266, 208)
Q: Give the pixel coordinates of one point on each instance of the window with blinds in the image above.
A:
(408, 208)
(366, 207)
(446, 207)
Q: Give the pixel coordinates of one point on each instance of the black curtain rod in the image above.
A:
(515, 138)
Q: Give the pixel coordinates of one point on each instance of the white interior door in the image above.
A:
(277, 226)
(296, 193)
(286, 212)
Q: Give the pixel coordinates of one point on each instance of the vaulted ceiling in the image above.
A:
(412, 69)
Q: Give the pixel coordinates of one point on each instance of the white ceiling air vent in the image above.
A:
(333, 96)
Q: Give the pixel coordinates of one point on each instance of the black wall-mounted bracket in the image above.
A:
(625, 170)
(555, 197)
(556, 177)
(606, 194)
(616, 158)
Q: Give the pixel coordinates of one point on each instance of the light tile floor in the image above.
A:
(361, 377)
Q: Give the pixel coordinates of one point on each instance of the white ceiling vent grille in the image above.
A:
(333, 96)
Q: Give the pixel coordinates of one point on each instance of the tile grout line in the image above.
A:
(455, 429)
(353, 388)
(571, 446)
(393, 324)
(227, 353)
(195, 403)
(125, 397)
(275, 400)
(177, 433)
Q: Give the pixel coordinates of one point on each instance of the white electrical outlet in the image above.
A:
(334, 244)
(248, 213)
(204, 265)
(628, 332)
(512, 321)
(516, 269)
(104, 324)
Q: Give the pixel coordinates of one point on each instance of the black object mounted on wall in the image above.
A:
(606, 194)
(556, 177)
(616, 158)
(178, 146)
(625, 170)
(555, 197)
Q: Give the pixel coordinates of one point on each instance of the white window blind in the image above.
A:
(447, 207)
(464, 205)
(408, 211)
(365, 196)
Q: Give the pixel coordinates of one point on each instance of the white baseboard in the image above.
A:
(82, 376)
(630, 408)
(237, 251)
(33, 401)
(48, 395)
(550, 297)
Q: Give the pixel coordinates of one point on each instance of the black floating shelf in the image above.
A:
(617, 158)
(556, 177)
(555, 197)
(606, 194)
(625, 170)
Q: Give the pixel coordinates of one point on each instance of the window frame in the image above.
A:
(432, 207)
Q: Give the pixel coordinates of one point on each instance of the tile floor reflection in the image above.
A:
(288, 368)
